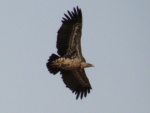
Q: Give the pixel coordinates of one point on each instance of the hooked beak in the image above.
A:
(89, 65)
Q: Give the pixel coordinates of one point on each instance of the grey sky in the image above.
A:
(115, 38)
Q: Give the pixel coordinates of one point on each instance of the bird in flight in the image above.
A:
(70, 61)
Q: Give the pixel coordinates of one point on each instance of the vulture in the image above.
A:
(70, 61)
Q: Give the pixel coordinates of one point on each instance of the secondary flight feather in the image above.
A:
(69, 61)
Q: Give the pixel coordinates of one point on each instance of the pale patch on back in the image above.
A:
(67, 63)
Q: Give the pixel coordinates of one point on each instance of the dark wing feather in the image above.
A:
(77, 82)
(69, 34)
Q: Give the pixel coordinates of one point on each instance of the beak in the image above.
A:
(92, 65)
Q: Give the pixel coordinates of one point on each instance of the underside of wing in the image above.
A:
(69, 34)
(77, 82)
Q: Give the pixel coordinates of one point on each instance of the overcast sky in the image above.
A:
(115, 38)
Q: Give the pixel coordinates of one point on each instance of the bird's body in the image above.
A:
(70, 62)
(66, 63)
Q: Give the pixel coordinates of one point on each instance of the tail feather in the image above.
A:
(51, 69)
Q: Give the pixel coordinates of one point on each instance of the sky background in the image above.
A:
(115, 38)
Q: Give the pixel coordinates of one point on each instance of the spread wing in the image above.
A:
(69, 45)
(69, 35)
(77, 81)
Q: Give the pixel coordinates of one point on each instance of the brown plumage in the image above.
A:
(70, 61)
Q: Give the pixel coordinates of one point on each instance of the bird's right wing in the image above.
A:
(77, 82)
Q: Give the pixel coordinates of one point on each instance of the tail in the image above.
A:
(51, 69)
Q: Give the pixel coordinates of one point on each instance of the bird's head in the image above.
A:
(85, 65)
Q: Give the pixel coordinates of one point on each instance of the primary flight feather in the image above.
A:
(69, 61)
